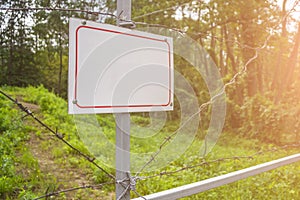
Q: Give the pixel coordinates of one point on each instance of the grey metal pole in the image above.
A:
(122, 155)
(123, 124)
(123, 12)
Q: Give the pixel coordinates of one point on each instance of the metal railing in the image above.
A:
(194, 188)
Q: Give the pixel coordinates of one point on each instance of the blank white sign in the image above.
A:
(114, 70)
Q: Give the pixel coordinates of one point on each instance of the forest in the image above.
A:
(254, 45)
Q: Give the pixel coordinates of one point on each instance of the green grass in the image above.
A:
(21, 177)
(19, 172)
(278, 184)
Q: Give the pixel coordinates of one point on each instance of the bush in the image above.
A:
(261, 118)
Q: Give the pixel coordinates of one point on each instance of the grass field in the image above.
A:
(34, 162)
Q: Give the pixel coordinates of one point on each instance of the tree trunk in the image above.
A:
(229, 41)
(10, 65)
(260, 78)
(249, 39)
(278, 71)
(60, 66)
(221, 57)
(292, 61)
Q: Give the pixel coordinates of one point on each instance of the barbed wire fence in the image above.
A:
(55, 193)
(35, 9)
(56, 134)
(222, 91)
(134, 179)
(98, 186)
(205, 162)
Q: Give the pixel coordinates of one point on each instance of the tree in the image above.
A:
(17, 56)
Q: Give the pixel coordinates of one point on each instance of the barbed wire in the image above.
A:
(187, 3)
(205, 34)
(55, 193)
(56, 134)
(162, 10)
(205, 162)
(90, 159)
(204, 105)
(137, 23)
(218, 160)
(222, 90)
(167, 139)
(57, 9)
(201, 108)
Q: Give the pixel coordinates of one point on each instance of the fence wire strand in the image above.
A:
(232, 81)
(204, 162)
(56, 134)
(219, 160)
(55, 193)
(162, 10)
(33, 9)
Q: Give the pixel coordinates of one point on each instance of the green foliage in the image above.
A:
(277, 184)
(26, 195)
(54, 112)
(269, 122)
(36, 53)
(17, 55)
(280, 183)
(263, 105)
(12, 138)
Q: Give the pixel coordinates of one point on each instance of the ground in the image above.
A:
(59, 171)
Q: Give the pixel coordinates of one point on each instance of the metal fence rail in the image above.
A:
(194, 188)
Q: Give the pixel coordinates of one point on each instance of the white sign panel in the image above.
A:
(114, 70)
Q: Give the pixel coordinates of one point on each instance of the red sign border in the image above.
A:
(130, 35)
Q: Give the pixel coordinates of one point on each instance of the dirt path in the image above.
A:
(58, 171)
